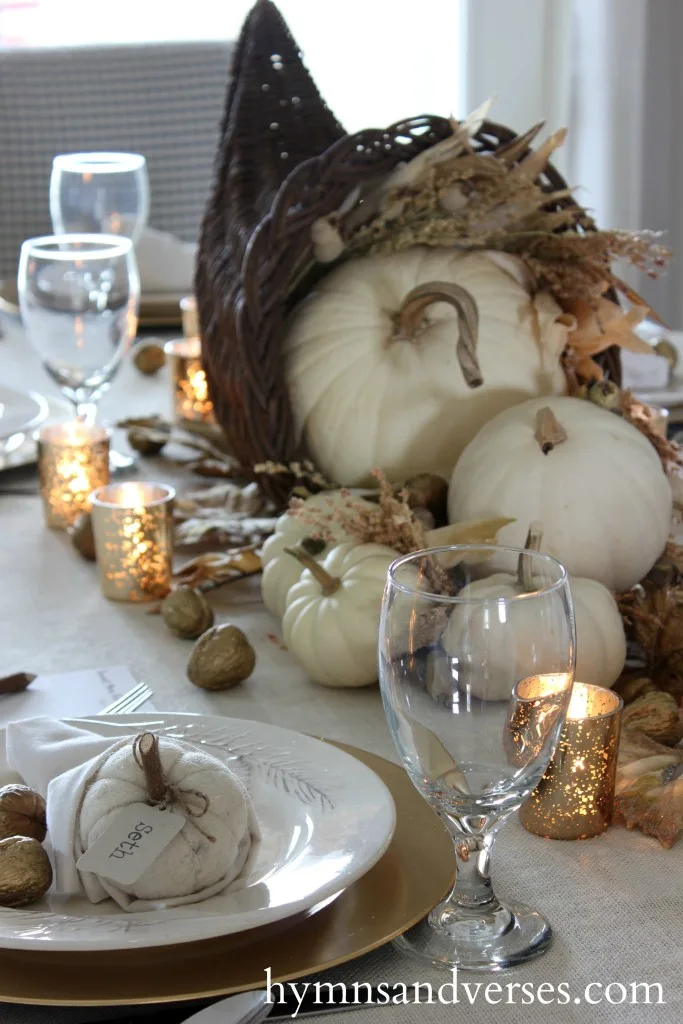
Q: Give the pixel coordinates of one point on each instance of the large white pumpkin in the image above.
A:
(601, 493)
(371, 389)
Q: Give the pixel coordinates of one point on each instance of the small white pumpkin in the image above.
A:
(600, 636)
(281, 571)
(384, 373)
(514, 645)
(331, 622)
(593, 480)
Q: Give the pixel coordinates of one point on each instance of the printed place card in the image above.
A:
(69, 694)
(131, 844)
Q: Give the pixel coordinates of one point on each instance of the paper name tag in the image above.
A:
(131, 844)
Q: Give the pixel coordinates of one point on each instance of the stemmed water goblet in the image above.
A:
(476, 660)
(79, 297)
(95, 193)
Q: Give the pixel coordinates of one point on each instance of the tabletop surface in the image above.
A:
(615, 902)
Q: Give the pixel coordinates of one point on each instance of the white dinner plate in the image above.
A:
(20, 411)
(22, 449)
(325, 820)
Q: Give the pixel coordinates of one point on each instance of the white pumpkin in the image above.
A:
(281, 571)
(494, 651)
(600, 637)
(593, 480)
(378, 381)
(331, 622)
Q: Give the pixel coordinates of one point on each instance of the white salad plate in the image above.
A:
(325, 820)
(20, 411)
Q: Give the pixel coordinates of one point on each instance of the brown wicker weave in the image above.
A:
(283, 161)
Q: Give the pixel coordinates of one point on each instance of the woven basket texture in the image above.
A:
(283, 161)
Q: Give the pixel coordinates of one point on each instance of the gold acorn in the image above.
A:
(22, 813)
(81, 535)
(25, 871)
(221, 658)
(187, 613)
(149, 358)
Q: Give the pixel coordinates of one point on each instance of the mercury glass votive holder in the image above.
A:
(191, 400)
(574, 799)
(132, 525)
(73, 460)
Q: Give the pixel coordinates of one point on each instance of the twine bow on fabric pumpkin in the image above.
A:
(161, 794)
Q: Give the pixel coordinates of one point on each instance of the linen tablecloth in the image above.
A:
(615, 902)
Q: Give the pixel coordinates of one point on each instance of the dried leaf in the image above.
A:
(653, 616)
(213, 468)
(634, 745)
(223, 531)
(641, 416)
(601, 323)
(651, 801)
(214, 569)
(15, 683)
(473, 531)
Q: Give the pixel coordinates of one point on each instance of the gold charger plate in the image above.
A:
(414, 874)
(157, 309)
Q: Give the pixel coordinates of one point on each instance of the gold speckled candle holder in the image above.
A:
(132, 525)
(73, 459)
(190, 389)
(574, 798)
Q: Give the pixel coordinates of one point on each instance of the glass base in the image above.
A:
(118, 462)
(478, 940)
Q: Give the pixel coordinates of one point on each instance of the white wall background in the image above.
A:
(375, 61)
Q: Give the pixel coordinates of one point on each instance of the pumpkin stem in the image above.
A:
(330, 584)
(411, 314)
(525, 576)
(549, 432)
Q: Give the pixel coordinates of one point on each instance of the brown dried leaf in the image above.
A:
(652, 802)
(641, 416)
(217, 569)
(216, 531)
(15, 683)
(213, 468)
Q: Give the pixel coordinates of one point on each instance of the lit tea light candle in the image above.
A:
(73, 459)
(132, 526)
(574, 798)
(190, 389)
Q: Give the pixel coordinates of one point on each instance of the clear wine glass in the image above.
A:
(476, 659)
(79, 297)
(105, 193)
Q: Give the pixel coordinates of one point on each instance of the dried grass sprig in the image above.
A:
(470, 201)
(391, 521)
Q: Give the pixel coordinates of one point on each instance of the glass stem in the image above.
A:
(86, 412)
(471, 910)
(473, 886)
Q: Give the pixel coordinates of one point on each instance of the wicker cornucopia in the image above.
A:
(283, 162)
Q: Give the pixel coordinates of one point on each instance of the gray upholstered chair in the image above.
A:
(162, 100)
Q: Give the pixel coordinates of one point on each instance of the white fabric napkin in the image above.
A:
(60, 761)
(165, 263)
